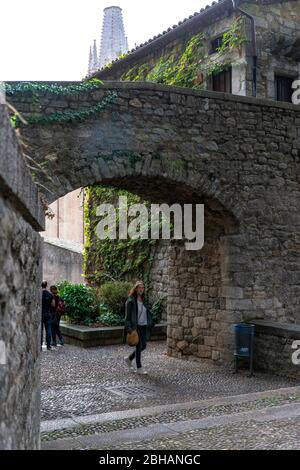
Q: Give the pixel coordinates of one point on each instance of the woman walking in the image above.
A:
(137, 317)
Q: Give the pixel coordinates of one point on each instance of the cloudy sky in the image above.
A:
(49, 40)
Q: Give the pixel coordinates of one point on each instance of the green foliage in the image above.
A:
(71, 116)
(81, 306)
(137, 73)
(14, 120)
(111, 259)
(108, 318)
(234, 37)
(156, 309)
(34, 87)
(184, 68)
(114, 295)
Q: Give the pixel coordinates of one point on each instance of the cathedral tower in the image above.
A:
(113, 41)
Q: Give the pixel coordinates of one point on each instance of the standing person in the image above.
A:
(47, 303)
(56, 312)
(137, 317)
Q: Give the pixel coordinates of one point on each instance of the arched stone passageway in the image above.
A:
(239, 156)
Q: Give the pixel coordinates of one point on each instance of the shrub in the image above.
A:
(114, 296)
(156, 309)
(108, 318)
(81, 306)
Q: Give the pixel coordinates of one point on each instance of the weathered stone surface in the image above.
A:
(20, 276)
(273, 347)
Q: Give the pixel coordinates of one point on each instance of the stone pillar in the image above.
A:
(200, 321)
(21, 218)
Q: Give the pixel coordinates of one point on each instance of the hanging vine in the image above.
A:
(112, 259)
(69, 116)
(71, 89)
(184, 68)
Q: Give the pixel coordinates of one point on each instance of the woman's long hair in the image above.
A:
(133, 292)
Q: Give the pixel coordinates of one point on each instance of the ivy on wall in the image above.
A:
(106, 260)
(37, 89)
(186, 68)
(72, 116)
(34, 87)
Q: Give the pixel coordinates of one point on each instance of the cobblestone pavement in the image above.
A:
(79, 381)
(87, 396)
(276, 435)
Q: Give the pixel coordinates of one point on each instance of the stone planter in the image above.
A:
(87, 337)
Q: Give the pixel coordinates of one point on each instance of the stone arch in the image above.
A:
(234, 153)
(199, 321)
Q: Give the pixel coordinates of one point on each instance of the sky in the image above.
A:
(50, 40)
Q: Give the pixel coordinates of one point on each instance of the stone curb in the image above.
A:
(57, 424)
(173, 429)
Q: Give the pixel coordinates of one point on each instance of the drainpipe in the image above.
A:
(254, 53)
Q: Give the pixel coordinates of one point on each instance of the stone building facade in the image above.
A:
(64, 239)
(263, 66)
(62, 261)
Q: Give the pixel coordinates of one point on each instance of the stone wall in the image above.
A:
(277, 37)
(62, 261)
(159, 274)
(273, 348)
(20, 316)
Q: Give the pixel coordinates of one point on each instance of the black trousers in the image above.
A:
(46, 323)
(141, 346)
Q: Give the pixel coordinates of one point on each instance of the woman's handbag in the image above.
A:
(132, 338)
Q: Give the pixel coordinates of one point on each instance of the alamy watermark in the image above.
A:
(296, 354)
(139, 222)
(2, 93)
(2, 353)
(296, 93)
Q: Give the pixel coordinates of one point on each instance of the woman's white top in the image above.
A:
(142, 314)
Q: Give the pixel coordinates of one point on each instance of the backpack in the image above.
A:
(61, 307)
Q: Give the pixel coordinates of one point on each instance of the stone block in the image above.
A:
(200, 323)
(204, 351)
(181, 345)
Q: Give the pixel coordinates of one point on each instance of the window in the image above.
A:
(222, 81)
(215, 44)
(283, 88)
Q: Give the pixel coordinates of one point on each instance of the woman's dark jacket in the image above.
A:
(131, 317)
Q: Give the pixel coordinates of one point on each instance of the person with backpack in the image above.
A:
(56, 313)
(47, 304)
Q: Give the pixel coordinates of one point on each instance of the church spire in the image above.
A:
(95, 56)
(90, 61)
(93, 59)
